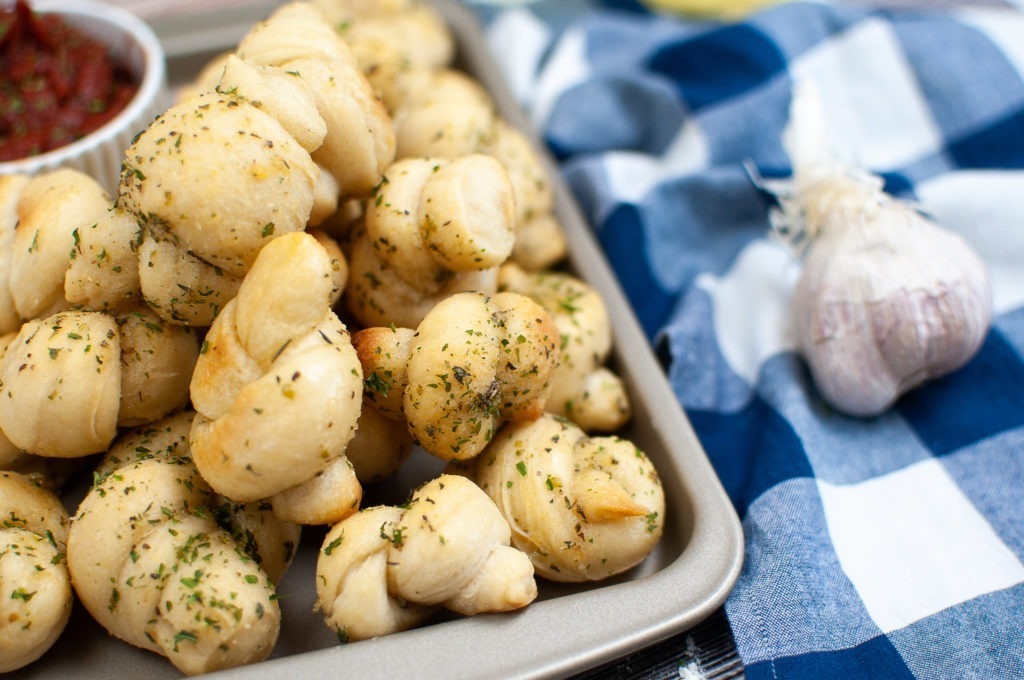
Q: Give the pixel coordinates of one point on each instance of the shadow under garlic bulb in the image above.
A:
(583, 508)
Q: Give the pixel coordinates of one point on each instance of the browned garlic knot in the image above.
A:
(475, 362)
(279, 388)
(151, 563)
(583, 508)
(387, 568)
(36, 602)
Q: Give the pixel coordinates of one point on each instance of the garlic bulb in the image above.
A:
(887, 298)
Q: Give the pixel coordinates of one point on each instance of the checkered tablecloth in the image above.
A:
(886, 547)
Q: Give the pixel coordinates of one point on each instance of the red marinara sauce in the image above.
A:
(57, 84)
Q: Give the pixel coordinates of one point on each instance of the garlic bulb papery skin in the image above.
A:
(887, 298)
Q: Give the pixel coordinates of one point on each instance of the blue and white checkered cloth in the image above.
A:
(888, 547)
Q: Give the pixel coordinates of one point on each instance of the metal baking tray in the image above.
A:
(570, 628)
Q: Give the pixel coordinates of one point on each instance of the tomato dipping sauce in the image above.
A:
(57, 84)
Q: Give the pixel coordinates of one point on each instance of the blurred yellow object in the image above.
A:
(709, 9)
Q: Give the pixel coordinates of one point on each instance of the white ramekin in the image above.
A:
(132, 44)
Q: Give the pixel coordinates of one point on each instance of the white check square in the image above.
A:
(1002, 27)
(912, 544)
(876, 115)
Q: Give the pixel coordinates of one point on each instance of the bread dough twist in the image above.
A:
(269, 540)
(103, 274)
(583, 389)
(50, 473)
(583, 508)
(181, 287)
(448, 115)
(359, 141)
(475, 362)
(433, 228)
(192, 178)
(287, 118)
(540, 237)
(278, 388)
(35, 589)
(62, 385)
(379, 448)
(152, 565)
(397, 47)
(51, 209)
(11, 188)
(157, 360)
(72, 378)
(386, 569)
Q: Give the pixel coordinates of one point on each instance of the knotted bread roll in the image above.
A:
(51, 473)
(52, 207)
(115, 263)
(192, 175)
(70, 379)
(35, 589)
(397, 43)
(157, 360)
(433, 228)
(583, 388)
(473, 363)
(450, 115)
(540, 238)
(264, 537)
(359, 141)
(379, 448)
(181, 287)
(184, 289)
(11, 187)
(583, 508)
(278, 389)
(62, 385)
(103, 274)
(248, 128)
(152, 565)
(386, 569)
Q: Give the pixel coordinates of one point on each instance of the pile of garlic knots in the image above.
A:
(332, 248)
